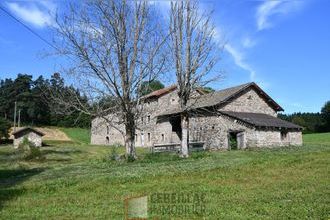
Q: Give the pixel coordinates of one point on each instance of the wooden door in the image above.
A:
(240, 140)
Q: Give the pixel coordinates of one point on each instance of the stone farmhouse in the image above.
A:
(238, 117)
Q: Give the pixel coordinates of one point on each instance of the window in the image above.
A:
(212, 127)
(107, 140)
(108, 129)
(249, 97)
(148, 137)
(142, 120)
(163, 137)
(148, 118)
(142, 138)
(284, 135)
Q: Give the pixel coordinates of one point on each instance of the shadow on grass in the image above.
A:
(51, 143)
(59, 155)
(60, 152)
(6, 142)
(10, 178)
(171, 156)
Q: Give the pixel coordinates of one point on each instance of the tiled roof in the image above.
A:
(217, 97)
(160, 92)
(261, 120)
(222, 97)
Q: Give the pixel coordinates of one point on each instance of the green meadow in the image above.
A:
(74, 180)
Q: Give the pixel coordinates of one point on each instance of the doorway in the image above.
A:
(236, 140)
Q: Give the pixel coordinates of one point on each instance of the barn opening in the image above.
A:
(176, 125)
(235, 140)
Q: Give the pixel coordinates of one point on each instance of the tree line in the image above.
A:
(34, 106)
(311, 122)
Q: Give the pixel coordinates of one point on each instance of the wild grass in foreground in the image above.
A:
(81, 181)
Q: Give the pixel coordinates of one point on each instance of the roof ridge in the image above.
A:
(159, 92)
(244, 85)
(174, 86)
(28, 128)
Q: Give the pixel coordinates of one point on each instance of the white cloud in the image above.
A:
(239, 60)
(265, 10)
(272, 8)
(237, 54)
(39, 13)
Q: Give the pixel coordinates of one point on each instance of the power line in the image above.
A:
(28, 28)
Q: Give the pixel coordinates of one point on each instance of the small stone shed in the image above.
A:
(33, 135)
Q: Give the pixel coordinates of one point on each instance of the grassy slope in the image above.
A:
(79, 182)
(78, 135)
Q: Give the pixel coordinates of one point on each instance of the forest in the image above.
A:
(311, 122)
(34, 106)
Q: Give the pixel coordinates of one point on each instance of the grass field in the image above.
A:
(78, 181)
(78, 135)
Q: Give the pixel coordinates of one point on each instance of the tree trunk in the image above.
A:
(185, 134)
(130, 143)
(130, 136)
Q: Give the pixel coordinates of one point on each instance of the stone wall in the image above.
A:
(295, 138)
(31, 136)
(214, 131)
(275, 138)
(250, 101)
(148, 130)
(159, 131)
(102, 133)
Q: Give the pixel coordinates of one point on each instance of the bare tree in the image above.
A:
(194, 55)
(114, 46)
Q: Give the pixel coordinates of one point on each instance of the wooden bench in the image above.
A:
(175, 147)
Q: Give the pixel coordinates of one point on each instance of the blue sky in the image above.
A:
(284, 46)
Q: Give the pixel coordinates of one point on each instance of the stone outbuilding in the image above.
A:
(239, 117)
(33, 135)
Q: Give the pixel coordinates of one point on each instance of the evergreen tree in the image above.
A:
(325, 113)
(4, 128)
(150, 86)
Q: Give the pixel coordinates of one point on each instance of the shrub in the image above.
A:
(28, 151)
(114, 155)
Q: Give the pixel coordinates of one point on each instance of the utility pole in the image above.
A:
(15, 116)
(19, 118)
